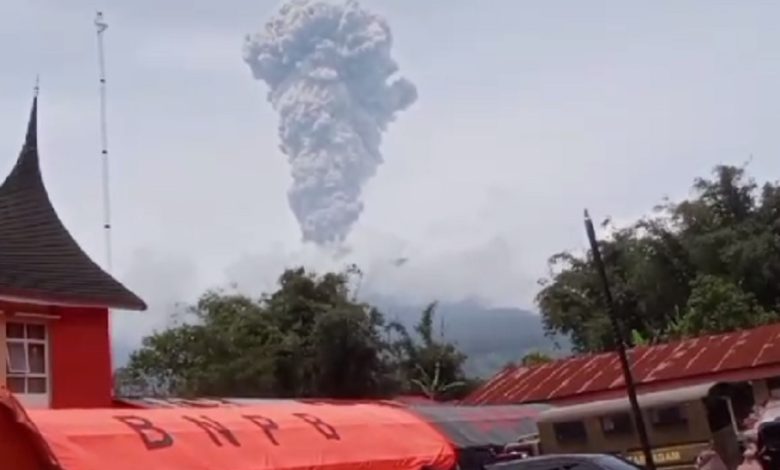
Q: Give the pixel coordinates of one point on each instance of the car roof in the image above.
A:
(540, 458)
(508, 464)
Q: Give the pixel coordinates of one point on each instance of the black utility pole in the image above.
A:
(621, 345)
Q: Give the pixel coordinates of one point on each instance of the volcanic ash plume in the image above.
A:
(331, 79)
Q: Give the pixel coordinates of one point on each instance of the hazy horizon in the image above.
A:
(527, 112)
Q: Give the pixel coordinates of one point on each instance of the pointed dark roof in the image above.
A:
(39, 260)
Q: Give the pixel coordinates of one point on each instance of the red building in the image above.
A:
(745, 356)
(54, 300)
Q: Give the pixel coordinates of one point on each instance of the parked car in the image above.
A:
(566, 462)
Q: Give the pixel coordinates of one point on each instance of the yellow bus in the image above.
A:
(680, 424)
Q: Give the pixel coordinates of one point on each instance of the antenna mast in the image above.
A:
(101, 27)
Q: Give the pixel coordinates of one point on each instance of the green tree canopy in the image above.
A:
(707, 264)
(425, 364)
(309, 338)
(535, 358)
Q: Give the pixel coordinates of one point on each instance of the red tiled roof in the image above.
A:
(743, 355)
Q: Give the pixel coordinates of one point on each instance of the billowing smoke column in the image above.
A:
(331, 79)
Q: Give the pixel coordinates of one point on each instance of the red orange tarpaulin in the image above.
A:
(294, 436)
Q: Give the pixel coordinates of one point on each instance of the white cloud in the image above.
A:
(489, 272)
(413, 273)
(166, 281)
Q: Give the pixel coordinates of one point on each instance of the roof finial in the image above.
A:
(37, 88)
(100, 23)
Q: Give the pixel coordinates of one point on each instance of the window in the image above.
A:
(27, 358)
(773, 384)
(570, 431)
(669, 416)
(619, 423)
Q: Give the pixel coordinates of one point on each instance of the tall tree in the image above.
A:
(706, 264)
(309, 338)
(535, 358)
(425, 364)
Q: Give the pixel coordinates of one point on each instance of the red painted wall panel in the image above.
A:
(81, 358)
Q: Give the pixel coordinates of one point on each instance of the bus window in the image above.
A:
(668, 416)
(773, 384)
(570, 431)
(616, 424)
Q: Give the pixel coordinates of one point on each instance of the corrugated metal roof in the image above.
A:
(415, 400)
(153, 403)
(646, 400)
(706, 358)
(200, 402)
(482, 426)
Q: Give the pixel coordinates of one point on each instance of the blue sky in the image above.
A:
(528, 111)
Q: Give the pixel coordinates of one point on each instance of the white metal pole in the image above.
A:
(101, 26)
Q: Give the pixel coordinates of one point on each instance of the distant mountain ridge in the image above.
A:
(491, 337)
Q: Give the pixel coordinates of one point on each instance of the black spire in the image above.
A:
(27, 167)
(39, 259)
(31, 141)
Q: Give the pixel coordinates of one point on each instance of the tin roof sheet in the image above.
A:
(704, 358)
